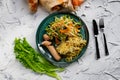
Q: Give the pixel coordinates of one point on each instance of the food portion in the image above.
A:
(52, 50)
(33, 60)
(77, 3)
(64, 31)
(55, 5)
(52, 5)
(71, 47)
(33, 5)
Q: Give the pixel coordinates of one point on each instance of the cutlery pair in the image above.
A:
(95, 29)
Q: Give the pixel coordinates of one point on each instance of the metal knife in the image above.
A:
(95, 30)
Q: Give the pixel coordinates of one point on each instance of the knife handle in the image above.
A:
(105, 44)
(97, 48)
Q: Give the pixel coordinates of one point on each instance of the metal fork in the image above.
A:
(101, 25)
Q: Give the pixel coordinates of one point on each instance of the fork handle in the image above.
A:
(105, 44)
(97, 48)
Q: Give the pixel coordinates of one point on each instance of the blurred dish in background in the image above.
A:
(55, 5)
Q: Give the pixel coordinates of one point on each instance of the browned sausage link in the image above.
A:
(54, 52)
(46, 37)
(46, 43)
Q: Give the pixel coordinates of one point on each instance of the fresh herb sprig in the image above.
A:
(33, 60)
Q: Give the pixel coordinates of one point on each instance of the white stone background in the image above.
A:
(17, 21)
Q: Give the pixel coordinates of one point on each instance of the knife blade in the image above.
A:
(95, 27)
(95, 30)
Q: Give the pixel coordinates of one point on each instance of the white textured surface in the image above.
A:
(16, 21)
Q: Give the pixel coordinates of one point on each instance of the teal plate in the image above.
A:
(41, 30)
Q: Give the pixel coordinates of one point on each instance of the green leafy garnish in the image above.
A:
(33, 60)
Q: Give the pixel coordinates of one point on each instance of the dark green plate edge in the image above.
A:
(61, 64)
